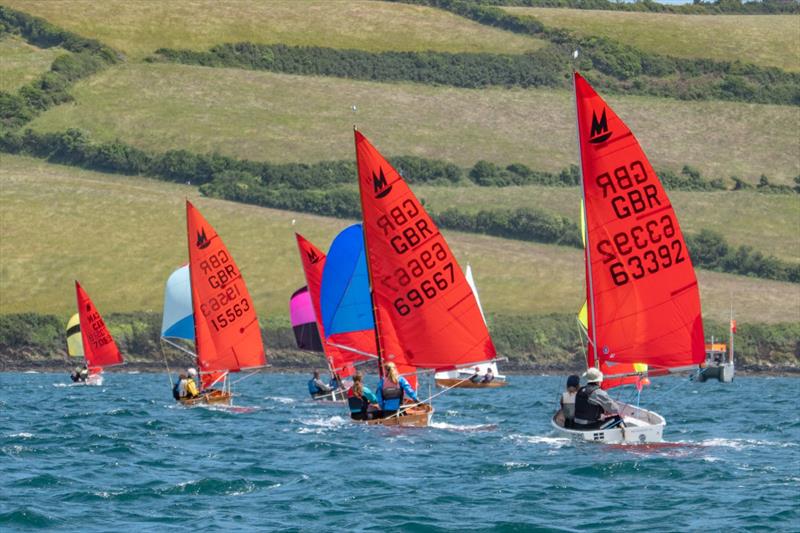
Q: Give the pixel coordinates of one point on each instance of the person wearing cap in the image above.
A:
(594, 408)
(190, 385)
(568, 400)
(391, 389)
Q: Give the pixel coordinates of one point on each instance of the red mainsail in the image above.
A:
(227, 334)
(644, 303)
(340, 360)
(418, 288)
(99, 348)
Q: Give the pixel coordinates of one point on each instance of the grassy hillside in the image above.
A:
(739, 216)
(139, 28)
(766, 40)
(21, 63)
(266, 116)
(122, 237)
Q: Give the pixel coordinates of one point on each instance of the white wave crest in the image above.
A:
(22, 435)
(280, 399)
(464, 428)
(740, 444)
(556, 442)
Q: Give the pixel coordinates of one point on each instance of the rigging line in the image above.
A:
(166, 364)
(404, 408)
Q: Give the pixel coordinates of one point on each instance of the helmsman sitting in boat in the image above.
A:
(80, 374)
(594, 408)
(316, 387)
(391, 390)
(187, 386)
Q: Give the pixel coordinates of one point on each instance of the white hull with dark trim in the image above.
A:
(641, 427)
(336, 396)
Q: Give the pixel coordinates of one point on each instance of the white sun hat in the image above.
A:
(593, 375)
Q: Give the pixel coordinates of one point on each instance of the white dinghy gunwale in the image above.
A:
(641, 427)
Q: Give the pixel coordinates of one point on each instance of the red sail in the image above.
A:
(99, 347)
(415, 278)
(645, 306)
(341, 361)
(227, 335)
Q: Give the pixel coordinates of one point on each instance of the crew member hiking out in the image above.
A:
(594, 408)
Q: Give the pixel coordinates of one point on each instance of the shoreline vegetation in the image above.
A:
(531, 343)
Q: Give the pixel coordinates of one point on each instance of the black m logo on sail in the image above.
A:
(599, 132)
(379, 184)
(313, 258)
(202, 240)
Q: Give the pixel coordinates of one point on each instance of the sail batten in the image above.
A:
(641, 286)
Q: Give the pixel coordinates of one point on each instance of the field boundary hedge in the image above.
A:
(86, 57)
(298, 187)
(720, 7)
(622, 68)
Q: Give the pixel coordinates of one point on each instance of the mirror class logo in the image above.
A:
(599, 132)
(379, 184)
(313, 258)
(202, 240)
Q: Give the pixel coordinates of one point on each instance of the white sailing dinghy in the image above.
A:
(456, 378)
(643, 312)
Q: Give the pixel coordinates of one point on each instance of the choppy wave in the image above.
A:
(87, 458)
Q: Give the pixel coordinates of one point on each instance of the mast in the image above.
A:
(587, 248)
(378, 349)
(730, 332)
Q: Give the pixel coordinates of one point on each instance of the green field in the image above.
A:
(139, 28)
(277, 117)
(122, 236)
(765, 40)
(21, 63)
(739, 216)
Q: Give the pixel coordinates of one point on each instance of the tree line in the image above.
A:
(327, 189)
(529, 341)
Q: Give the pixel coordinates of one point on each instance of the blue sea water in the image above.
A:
(124, 457)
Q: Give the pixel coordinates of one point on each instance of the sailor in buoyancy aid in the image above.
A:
(391, 389)
(594, 408)
(316, 386)
(361, 400)
(189, 389)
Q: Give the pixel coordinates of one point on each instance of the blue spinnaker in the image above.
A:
(344, 297)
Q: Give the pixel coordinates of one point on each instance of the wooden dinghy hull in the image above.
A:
(460, 384)
(214, 397)
(417, 416)
(641, 427)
